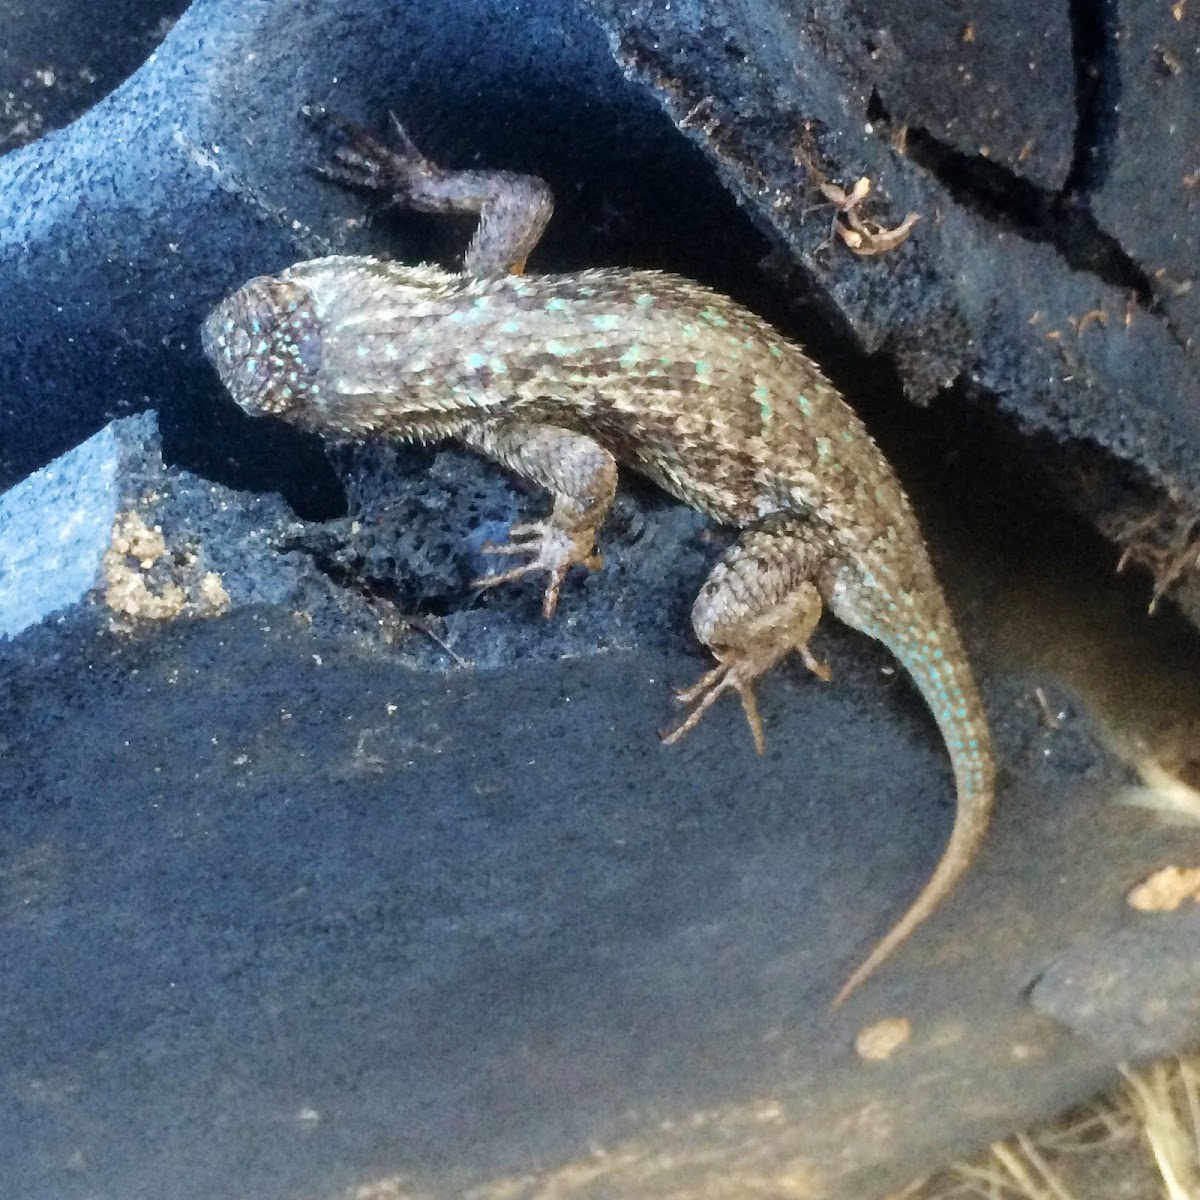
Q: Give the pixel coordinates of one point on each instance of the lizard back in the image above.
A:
(682, 383)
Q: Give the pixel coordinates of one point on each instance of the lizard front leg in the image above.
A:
(513, 209)
(757, 604)
(580, 475)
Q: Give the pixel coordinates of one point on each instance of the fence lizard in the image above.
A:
(560, 377)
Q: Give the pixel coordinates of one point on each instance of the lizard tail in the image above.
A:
(949, 690)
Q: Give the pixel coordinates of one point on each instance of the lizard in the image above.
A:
(560, 378)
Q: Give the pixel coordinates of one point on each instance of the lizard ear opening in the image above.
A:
(266, 346)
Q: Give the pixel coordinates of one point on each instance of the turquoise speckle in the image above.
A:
(804, 405)
(702, 368)
(498, 366)
(714, 318)
(262, 347)
(481, 302)
(645, 300)
(605, 322)
(251, 365)
(360, 350)
(559, 349)
(631, 356)
(690, 330)
(556, 304)
(847, 436)
(776, 352)
(824, 448)
(476, 361)
(511, 327)
(762, 394)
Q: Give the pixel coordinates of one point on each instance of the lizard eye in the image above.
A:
(266, 346)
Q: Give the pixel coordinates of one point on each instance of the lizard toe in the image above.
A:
(552, 550)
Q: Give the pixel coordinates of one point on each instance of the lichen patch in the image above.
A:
(144, 581)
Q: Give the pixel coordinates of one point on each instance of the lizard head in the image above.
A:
(266, 346)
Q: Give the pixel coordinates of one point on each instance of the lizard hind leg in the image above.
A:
(757, 604)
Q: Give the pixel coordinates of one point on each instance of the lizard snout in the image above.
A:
(265, 344)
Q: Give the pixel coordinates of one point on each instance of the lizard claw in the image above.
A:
(821, 670)
(407, 145)
(551, 549)
(736, 675)
(737, 672)
(357, 159)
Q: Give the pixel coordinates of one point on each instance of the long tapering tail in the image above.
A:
(931, 653)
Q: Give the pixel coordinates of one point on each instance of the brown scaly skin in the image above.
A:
(561, 377)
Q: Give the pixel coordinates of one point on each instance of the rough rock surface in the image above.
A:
(986, 81)
(1063, 300)
(328, 871)
(301, 896)
(59, 57)
(1144, 177)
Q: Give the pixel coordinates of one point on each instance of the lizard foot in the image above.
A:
(551, 549)
(737, 672)
(722, 678)
(357, 159)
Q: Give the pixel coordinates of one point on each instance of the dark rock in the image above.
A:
(358, 874)
(1019, 295)
(302, 897)
(988, 81)
(58, 57)
(56, 526)
(1145, 176)
(107, 523)
(1134, 994)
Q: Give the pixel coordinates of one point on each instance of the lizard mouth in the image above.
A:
(266, 347)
